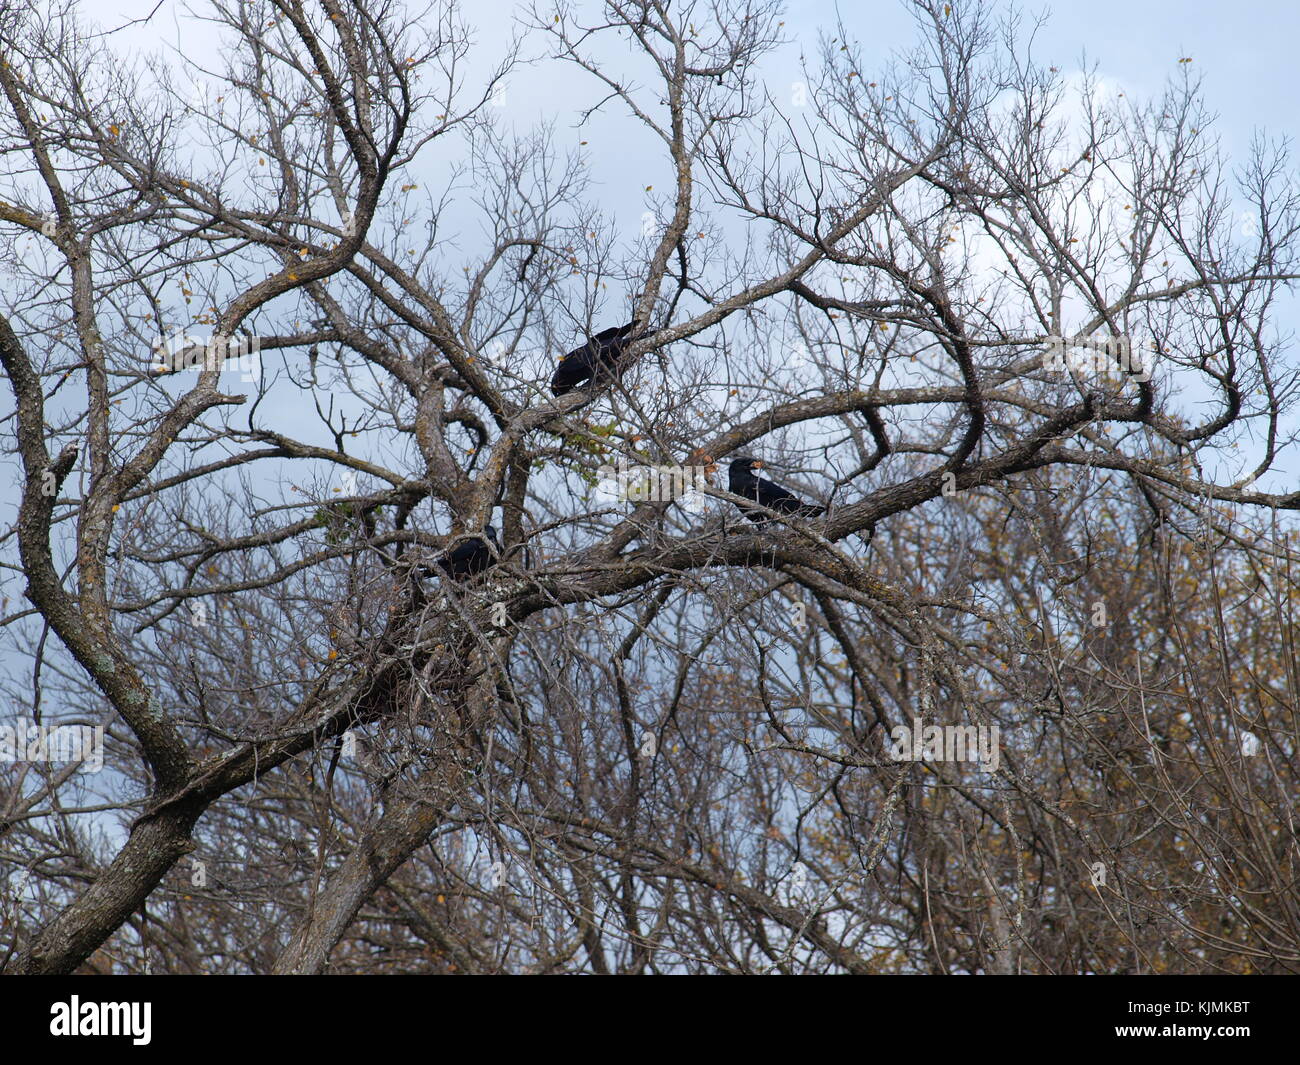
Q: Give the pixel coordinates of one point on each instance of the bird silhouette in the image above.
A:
(471, 556)
(600, 354)
(742, 481)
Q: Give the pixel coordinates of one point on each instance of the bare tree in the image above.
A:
(1015, 332)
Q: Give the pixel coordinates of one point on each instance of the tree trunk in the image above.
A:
(155, 845)
(402, 827)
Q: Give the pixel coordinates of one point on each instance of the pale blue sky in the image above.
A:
(1245, 51)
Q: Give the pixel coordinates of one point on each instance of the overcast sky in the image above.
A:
(1245, 51)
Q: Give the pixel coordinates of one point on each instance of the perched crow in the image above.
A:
(600, 353)
(741, 481)
(471, 556)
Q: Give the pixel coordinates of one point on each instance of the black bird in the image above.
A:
(742, 481)
(471, 556)
(599, 354)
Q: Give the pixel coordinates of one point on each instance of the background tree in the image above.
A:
(652, 736)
